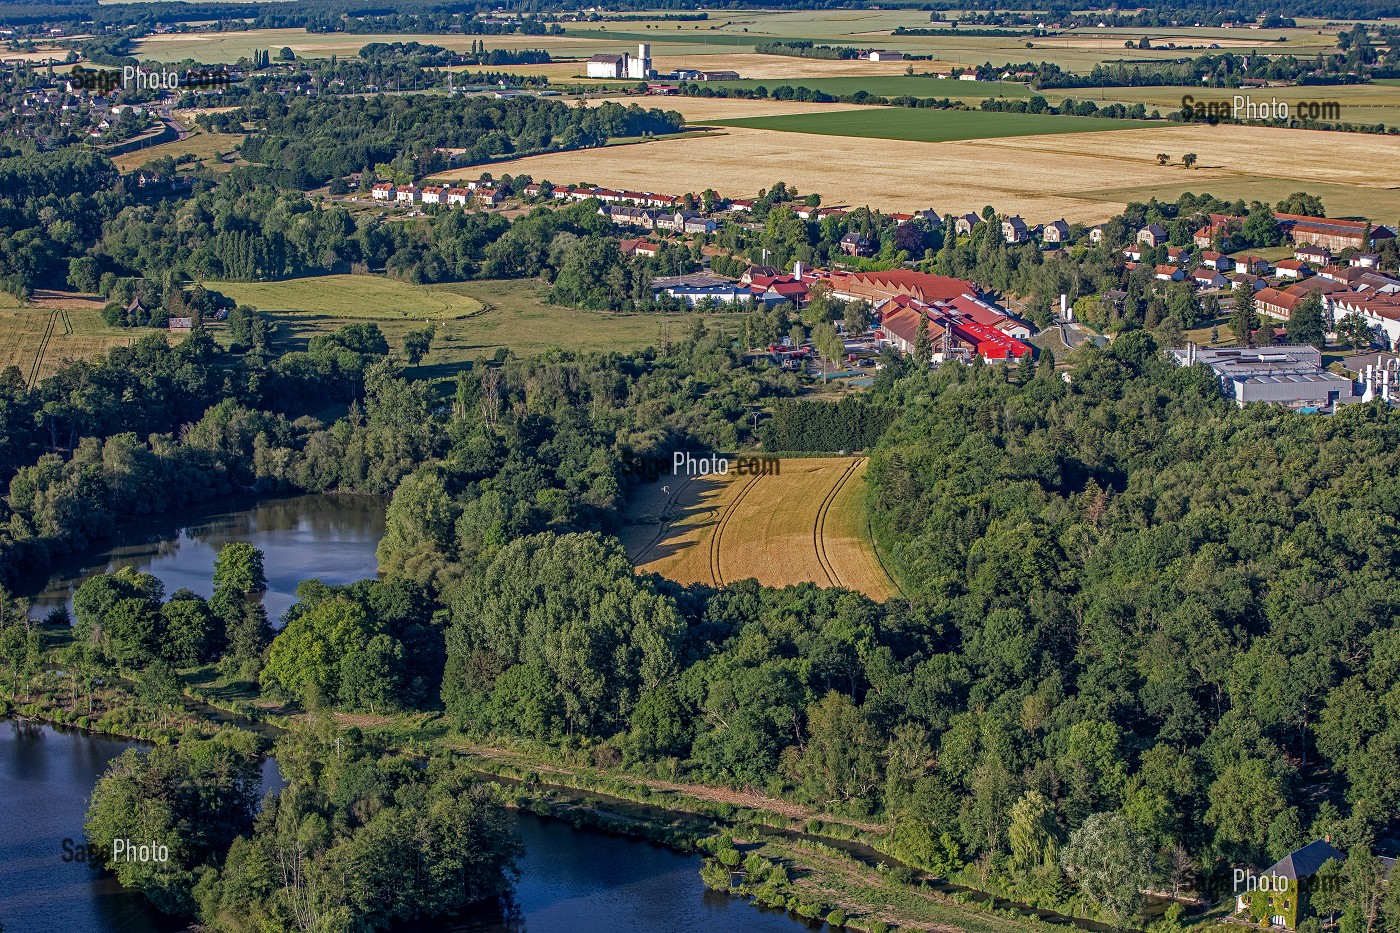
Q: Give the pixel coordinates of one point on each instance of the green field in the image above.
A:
(471, 319)
(933, 126)
(354, 296)
(892, 86)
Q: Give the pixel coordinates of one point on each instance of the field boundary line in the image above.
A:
(819, 522)
(724, 518)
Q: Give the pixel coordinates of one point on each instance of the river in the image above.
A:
(572, 881)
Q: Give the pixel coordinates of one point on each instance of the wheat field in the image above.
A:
(805, 524)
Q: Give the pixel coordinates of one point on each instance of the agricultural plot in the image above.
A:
(805, 524)
(227, 47)
(898, 85)
(207, 148)
(53, 328)
(933, 126)
(471, 320)
(1082, 176)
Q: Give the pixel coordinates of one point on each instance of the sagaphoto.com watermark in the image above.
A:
(135, 78)
(1243, 108)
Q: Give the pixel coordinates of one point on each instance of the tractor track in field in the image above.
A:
(671, 500)
(819, 522)
(55, 316)
(724, 518)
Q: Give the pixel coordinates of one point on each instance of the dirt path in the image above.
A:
(746, 798)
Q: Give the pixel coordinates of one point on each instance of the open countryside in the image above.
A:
(807, 523)
(934, 126)
(471, 320)
(1087, 176)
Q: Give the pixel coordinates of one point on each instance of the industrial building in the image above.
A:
(622, 66)
(1288, 375)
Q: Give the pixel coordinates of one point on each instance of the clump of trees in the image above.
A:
(357, 839)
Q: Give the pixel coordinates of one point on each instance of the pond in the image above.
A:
(572, 881)
(329, 536)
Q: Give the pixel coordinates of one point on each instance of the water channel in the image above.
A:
(571, 880)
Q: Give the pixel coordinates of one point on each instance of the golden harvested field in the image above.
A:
(1085, 177)
(777, 66)
(805, 524)
(205, 147)
(215, 47)
(77, 332)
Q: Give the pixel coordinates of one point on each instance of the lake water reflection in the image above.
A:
(327, 536)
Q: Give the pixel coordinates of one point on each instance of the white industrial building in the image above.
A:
(622, 66)
(1287, 375)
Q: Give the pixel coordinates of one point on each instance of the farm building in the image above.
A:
(622, 66)
(1336, 235)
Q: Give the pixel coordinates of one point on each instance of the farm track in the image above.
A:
(642, 555)
(819, 523)
(725, 516)
(58, 314)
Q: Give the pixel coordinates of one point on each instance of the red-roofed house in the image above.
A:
(1217, 261)
(1169, 273)
(877, 286)
(1276, 303)
(1292, 269)
(1208, 278)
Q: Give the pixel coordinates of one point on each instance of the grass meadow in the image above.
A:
(472, 320)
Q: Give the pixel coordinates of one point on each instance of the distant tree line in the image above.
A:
(304, 142)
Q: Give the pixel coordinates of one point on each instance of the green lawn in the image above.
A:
(933, 126)
(471, 319)
(359, 296)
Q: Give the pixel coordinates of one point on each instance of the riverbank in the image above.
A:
(832, 866)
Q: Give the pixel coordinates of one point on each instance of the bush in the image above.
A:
(837, 918)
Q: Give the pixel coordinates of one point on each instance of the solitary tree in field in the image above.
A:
(1189, 160)
(1163, 158)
